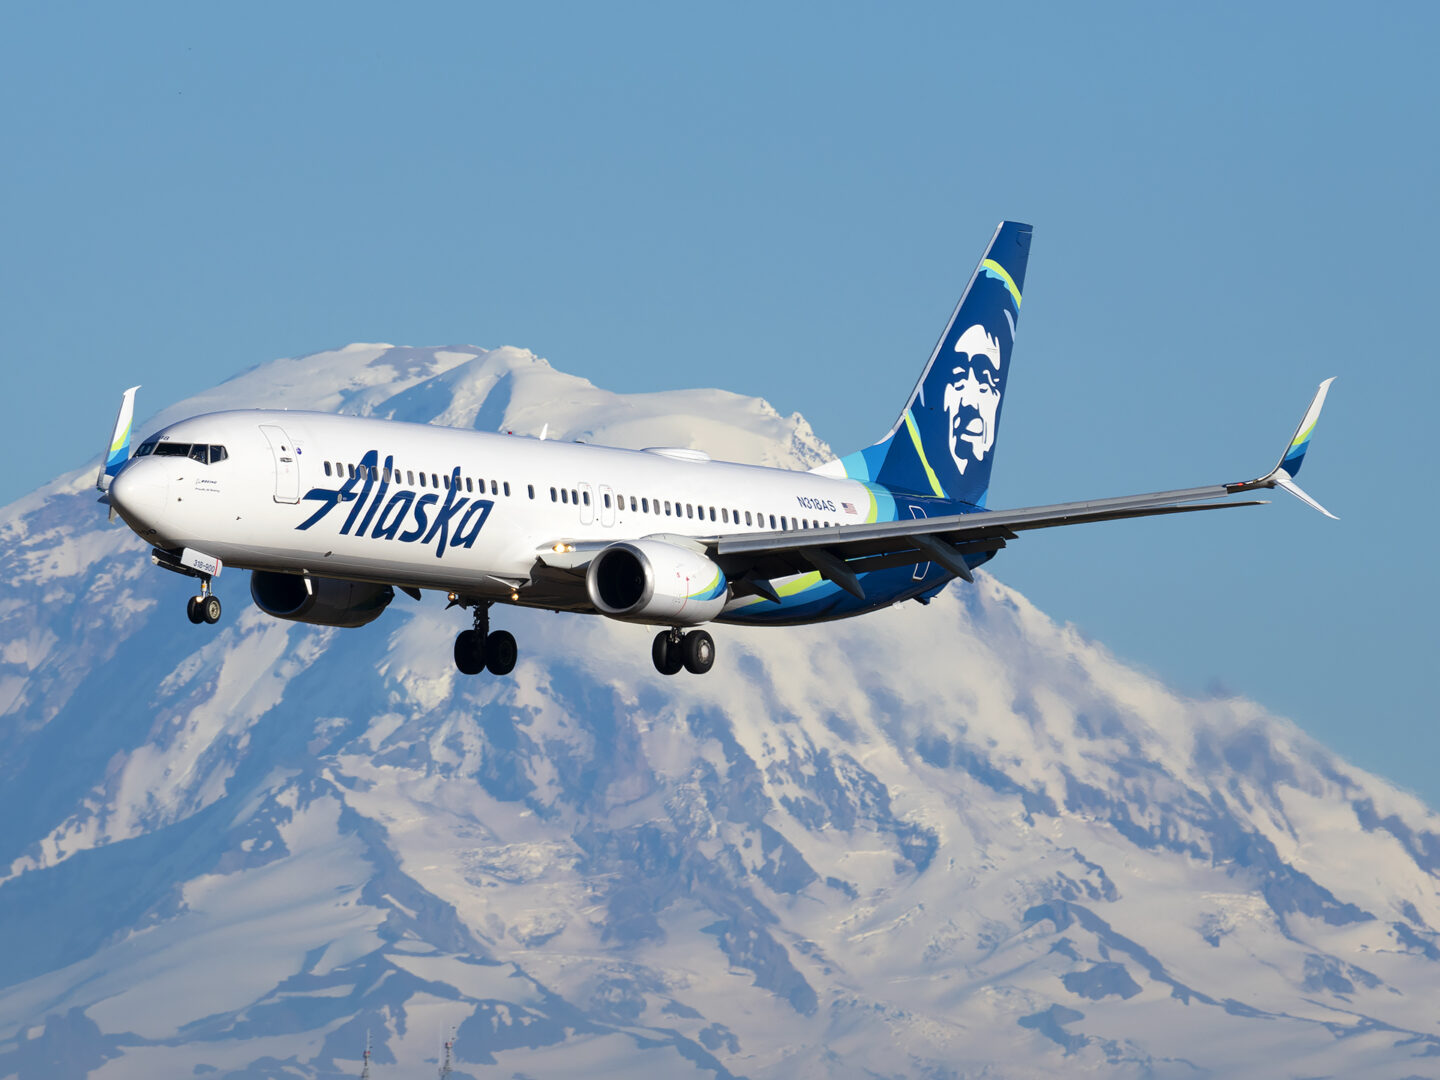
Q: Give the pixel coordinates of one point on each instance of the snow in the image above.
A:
(952, 840)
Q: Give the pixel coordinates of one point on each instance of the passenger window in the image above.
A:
(747, 517)
(632, 504)
(586, 496)
(552, 494)
(574, 496)
(725, 515)
(772, 521)
(565, 496)
(531, 489)
(607, 501)
(644, 506)
(327, 468)
(667, 507)
(469, 486)
(349, 471)
(689, 511)
(494, 488)
(507, 488)
(434, 480)
(712, 513)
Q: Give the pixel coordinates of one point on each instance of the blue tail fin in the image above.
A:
(944, 441)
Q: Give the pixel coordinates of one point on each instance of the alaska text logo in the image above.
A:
(404, 515)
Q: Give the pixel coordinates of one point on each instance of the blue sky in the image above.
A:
(1230, 203)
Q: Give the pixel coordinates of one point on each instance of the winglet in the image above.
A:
(1283, 475)
(1295, 453)
(118, 451)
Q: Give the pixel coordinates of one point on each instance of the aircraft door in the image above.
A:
(607, 506)
(921, 569)
(587, 505)
(287, 466)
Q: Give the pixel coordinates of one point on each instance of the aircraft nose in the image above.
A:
(138, 493)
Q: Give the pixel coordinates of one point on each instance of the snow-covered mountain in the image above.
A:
(943, 841)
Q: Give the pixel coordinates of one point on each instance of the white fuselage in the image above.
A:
(278, 499)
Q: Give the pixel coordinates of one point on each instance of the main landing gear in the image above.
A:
(477, 649)
(672, 650)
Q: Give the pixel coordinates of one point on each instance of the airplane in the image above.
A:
(332, 514)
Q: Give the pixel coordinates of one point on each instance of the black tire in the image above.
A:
(501, 652)
(192, 610)
(697, 650)
(209, 608)
(469, 652)
(666, 654)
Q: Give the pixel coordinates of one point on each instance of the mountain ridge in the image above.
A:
(953, 840)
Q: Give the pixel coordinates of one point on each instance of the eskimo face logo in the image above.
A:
(972, 398)
(391, 515)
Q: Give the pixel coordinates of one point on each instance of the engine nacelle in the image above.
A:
(323, 601)
(651, 581)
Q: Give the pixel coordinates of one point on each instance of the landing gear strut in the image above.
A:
(479, 648)
(672, 650)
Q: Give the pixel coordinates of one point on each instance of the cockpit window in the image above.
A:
(205, 453)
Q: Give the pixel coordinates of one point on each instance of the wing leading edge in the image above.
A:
(842, 554)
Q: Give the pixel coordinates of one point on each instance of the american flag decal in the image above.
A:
(849, 508)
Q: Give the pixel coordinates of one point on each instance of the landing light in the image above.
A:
(561, 549)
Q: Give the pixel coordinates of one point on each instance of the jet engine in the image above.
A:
(323, 601)
(650, 581)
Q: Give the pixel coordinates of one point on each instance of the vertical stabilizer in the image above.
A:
(944, 441)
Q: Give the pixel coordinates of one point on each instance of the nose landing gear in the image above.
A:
(672, 650)
(203, 608)
(479, 648)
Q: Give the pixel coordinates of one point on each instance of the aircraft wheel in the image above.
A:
(666, 654)
(501, 652)
(209, 608)
(192, 610)
(469, 652)
(697, 651)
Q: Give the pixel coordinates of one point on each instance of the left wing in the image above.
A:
(752, 560)
(844, 553)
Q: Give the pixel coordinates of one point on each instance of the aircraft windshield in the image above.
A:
(205, 453)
